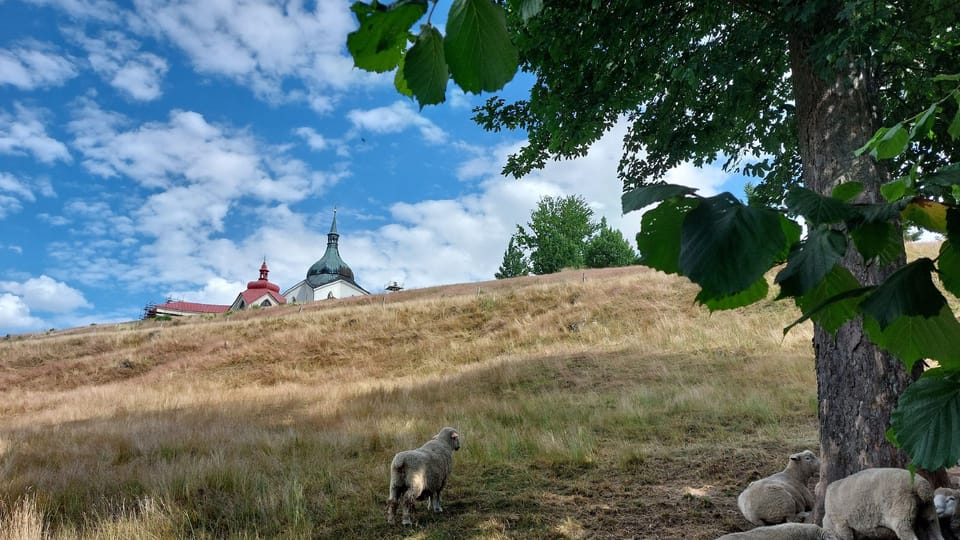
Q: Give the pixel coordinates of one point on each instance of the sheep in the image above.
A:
(784, 531)
(421, 474)
(945, 500)
(876, 501)
(781, 497)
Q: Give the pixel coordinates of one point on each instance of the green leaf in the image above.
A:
(924, 122)
(425, 69)
(926, 422)
(948, 263)
(726, 246)
(816, 208)
(847, 191)
(893, 142)
(753, 293)
(641, 197)
(791, 232)
(947, 77)
(895, 190)
(381, 39)
(528, 8)
(908, 292)
(954, 129)
(659, 238)
(930, 215)
(478, 47)
(833, 301)
(948, 175)
(400, 83)
(953, 227)
(881, 240)
(916, 337)
(871, 145)
(811, 261)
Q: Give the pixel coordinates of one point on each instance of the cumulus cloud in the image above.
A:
(22, 132)
(215, 291)
(396, 118)
(34, 65)
(263, 44)
(313, 139)
(15, 314)
(44, 294)
(119, 60)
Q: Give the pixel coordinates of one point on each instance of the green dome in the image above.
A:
(330, 267)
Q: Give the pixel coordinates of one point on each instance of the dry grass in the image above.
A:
(592, 404)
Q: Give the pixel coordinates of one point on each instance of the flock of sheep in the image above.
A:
(873, 503)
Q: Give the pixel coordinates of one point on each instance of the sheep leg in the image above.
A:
(392, 511)
(435, 502)
(903, 530)
(407, 502)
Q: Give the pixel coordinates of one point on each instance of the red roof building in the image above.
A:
(259, 293)
(181, 309)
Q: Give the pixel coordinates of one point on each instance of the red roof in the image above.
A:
(193, 307)
(252, 295)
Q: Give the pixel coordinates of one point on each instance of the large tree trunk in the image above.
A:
(858, 384)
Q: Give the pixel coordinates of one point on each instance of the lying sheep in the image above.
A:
(421, 474)
(945, 500)
(784, 531)
(783, 496)
(876, 501)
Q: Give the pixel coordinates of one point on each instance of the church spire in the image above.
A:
(330, 267)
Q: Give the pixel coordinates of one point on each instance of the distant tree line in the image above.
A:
(562, 234)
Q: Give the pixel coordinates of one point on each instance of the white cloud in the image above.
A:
(120, 62)
(44, 294)
(103, 10)
(215, 291)
(15, 314)
(313, 139)
(263, 44)
(396, 118)
(34, 65)
(23, 133)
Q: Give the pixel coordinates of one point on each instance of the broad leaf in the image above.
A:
(893, 142)
(641, 197)
(478, 47)
(811, 261)
(871, 145)
(916, 337)
(954, 129)
(816, 208)
(400, 83)
(924, 122)
(753, 293)
(926, 422)
(875, 213)
(833, 301)
(947, 77)
(892, 191)
(948, 175)
(659, 238)
(527, 8)
(948, 263)
(880, 240)
(381, 39)
(791, 232)
(847, 191)
(930, 215)
(908, 292)
(953, 227)
(726, 246)
(425, 69)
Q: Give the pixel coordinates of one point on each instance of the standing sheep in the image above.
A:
(783, 496)
(421, 474)
(876, 501)
(784, 531)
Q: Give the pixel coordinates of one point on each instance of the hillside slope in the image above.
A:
(593, 404)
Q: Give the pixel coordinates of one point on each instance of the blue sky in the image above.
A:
(156, 148)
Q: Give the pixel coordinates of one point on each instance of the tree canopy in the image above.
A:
(557, 233)
(793, 93)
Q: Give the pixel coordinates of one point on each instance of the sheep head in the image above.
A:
(450, 436)
(806, 463)
(946, 499)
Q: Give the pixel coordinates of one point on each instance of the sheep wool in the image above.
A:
(784, 531)
(878, 501)
(945, 500)
(783, 496)
(421, 474)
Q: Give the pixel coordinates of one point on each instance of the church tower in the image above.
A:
(329, 277)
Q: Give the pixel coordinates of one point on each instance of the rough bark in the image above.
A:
(858, 384)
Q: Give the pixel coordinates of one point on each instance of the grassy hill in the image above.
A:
(597, 404)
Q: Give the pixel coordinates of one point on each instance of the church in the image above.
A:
(329, 277)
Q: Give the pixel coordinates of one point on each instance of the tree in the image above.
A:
(805, 86)
(514, 262)
(608, 248)
(557, 233)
